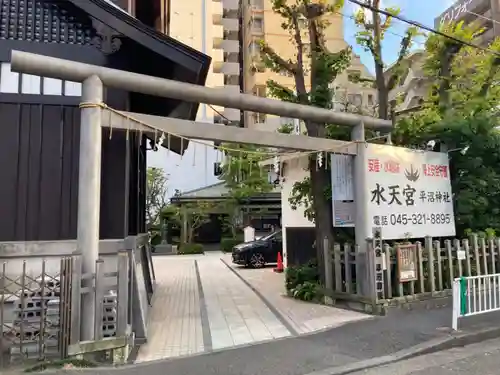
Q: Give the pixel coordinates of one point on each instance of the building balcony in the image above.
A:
(232, 114)
(230, 4)
(230, 24)
(229, 68)
(230, 46)
(217, 56)
(217, 12)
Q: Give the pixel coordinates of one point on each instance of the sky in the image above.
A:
(195, 168)
(422, 11)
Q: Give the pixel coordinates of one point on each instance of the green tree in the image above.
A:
(156, 194)
(196, 214)
(317, 68)
(461, 111)
(244, 178)
(373, 27)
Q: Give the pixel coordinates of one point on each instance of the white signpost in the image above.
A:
(343, 207)
(249, 234)
(408, 192)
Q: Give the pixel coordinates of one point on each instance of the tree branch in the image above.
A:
(274, 61)
(300, 83)
(405, 46)
(281, 92)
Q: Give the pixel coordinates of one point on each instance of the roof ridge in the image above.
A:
(201, 188)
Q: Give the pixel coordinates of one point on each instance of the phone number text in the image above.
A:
(413, 219)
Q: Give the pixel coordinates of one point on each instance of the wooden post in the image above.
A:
(99, 299)
(328, 269)
(123, 292)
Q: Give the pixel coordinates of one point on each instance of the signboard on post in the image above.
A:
(408, 192)
(343, 206)
(407, 263)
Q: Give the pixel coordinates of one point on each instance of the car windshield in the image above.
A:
(271, 235)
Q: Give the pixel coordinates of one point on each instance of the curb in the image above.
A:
(432, 346)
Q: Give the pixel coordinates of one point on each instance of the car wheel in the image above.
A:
(257, 260)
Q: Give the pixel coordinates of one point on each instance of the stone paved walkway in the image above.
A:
(202, 305)
(303, 317)
(175, 327)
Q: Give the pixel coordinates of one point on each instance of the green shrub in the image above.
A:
(297, 275)
(190, 248)
(302, 282)
(227, 243)
(155, 238)
(69, 363)
(308, 291)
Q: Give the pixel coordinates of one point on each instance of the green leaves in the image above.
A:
(283, 93)
(242, 174)
(156, 194)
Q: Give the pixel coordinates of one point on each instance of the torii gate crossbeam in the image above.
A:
(231, 134)
(24, 62)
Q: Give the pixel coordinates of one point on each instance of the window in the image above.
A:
(260, 91)
(285, 73)
(355, 99)
(257, 4)
(259, 118)
(370, 99)
(302, 22)
(306, 48)
(254, 49)
(258, 25)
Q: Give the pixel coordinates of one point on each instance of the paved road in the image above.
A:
(308, 354)
(482, 358)
(304, 354)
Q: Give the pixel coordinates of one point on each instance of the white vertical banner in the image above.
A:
(343, 207)
(408, 192)
(296, 126)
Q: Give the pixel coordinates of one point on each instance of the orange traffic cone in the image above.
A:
(279, 267)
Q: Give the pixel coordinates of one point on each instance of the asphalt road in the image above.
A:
(482, 358)
(304, 354)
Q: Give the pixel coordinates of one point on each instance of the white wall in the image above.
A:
(15, 83)
(192, 24)
(294, 171)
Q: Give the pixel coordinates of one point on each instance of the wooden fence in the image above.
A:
(436, 264)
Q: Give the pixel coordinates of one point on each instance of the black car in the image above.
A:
(259, 252)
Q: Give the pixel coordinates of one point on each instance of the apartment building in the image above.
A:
(413, 86)
(244, 24)
(191, 22)
(484, 14)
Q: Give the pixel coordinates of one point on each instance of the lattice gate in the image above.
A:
(35, 309)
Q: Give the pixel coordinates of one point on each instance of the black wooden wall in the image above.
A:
(39, 149)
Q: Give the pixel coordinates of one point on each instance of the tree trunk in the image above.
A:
(320, 179)
(323, 220)
(382, 91)
(190, 235)
(383, 94)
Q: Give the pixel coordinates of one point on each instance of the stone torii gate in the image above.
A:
(94, 80)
